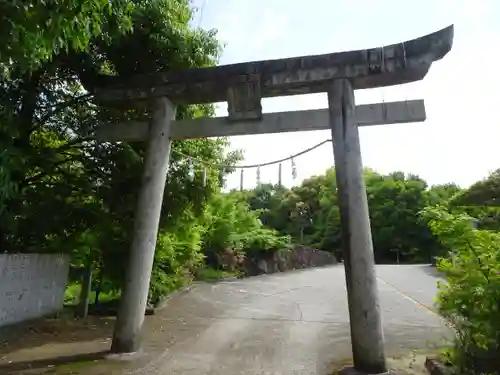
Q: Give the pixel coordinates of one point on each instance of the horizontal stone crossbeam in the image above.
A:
(279, 122)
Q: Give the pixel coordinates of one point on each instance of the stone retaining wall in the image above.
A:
(285, 260)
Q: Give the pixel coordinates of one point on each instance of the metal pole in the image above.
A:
(279, 175)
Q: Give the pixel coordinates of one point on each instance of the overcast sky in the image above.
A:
(460, 140)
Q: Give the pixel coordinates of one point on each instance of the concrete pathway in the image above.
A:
(290, 323)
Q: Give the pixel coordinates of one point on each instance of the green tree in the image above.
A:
(310, 214)
(61, 191)
(482, 193)
(482, 201)
(232, 227)
(440, 194)
(34, 31)
(268, 199)
(398, 233)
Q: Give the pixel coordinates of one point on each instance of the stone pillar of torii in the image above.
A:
(243, 86)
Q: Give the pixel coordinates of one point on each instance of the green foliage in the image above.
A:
(211, 274)
(72, 295)
(178, 255)
(60, 191)
(469, 298)
(36, 30)
(231, 224)
(310, 214)
(394, 202)
(483, 193)
(443, 194)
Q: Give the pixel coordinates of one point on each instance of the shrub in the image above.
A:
(470, 298)
(178, 255)
(233, 229)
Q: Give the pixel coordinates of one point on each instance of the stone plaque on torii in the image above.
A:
(243, 86)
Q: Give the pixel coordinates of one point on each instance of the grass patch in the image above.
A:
(72, 295)
(211, 274)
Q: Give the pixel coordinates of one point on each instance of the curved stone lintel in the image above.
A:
(383, 66)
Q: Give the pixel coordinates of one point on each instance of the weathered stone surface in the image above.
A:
(244, 99)
(384, 66)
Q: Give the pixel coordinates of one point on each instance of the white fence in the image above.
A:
(31, 285)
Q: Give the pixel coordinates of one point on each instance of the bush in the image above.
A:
(178, 255)
(470, 299)
(233, 229)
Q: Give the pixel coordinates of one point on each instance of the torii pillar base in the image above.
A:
(364, 309)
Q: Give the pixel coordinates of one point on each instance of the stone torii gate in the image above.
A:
(243, 86)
